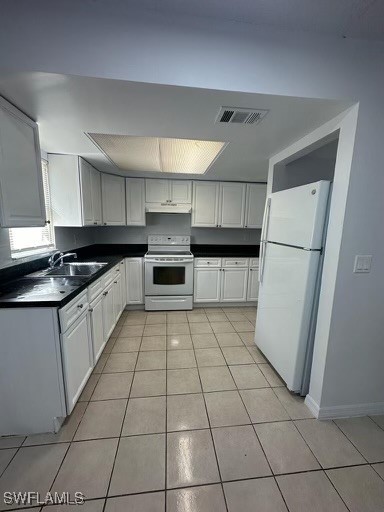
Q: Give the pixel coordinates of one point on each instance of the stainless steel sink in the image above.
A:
(71, 270)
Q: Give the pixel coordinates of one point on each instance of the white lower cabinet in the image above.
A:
(108, 311)
(207, 285)
(117, 293)
(134, 271)
(234, 284)
(225, 280)
(78, 358)
(253, 284)
(97, 325)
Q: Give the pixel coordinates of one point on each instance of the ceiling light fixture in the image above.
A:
(155, 154)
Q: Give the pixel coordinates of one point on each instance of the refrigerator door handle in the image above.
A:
(264, 235)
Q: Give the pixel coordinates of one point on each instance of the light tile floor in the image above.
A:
(183, 413)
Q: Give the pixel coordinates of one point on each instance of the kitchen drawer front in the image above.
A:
(235, 262)
(95, 289)
(208, 262)
(110, 276)
(254, 262)
(72, 311)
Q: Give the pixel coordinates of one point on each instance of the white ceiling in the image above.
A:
(345, 18)
(67, 107)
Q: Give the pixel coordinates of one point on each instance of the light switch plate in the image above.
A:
(362, 263)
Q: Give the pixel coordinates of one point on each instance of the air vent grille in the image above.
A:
(232, 115)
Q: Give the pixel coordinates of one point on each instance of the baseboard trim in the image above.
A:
(343, 411)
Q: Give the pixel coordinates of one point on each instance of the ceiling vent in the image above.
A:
(234, 115)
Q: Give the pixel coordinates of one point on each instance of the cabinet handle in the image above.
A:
(80, 306)
(90, 310)
(245, 226)
(105, 294)
(95, 223)
(114, 282)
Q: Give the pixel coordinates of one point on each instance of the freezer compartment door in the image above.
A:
(285, 308)
(297, 215)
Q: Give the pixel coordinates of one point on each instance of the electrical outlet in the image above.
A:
(362, 264)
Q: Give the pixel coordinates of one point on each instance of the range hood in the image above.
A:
(168, 208)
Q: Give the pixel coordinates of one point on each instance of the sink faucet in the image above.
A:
(53, 260)
(62, 256)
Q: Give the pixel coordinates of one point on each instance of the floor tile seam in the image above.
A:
(373, 419)
(121, 431)
(166, 431)
(352, 443)
(372, 466)
(212, 440)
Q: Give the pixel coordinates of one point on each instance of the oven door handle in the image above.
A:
(162, 262)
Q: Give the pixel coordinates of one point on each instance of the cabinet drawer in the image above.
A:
(110, 276)
(95, 289)
(254, 262)
(208, 262)
(235, 262)
(72, 311)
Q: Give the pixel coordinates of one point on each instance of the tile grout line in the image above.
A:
(211, 434)
(121, 430)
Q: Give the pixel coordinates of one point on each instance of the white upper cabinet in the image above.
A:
(205, 205)
(232, 205)
(21, 186)
(113, 199)
(168, 191)
(156, 191)
(181, 191)
(135, 201)
(255, 204)
(75, 191)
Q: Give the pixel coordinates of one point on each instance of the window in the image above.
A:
(28, 241)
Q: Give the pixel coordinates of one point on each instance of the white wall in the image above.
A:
(176, 224)
(72, 37)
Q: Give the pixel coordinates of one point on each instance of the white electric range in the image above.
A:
(168, 273)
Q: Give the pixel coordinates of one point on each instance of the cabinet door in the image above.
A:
(256, 194)
(207, 285)
(113, 199)
(232, 205)
(96, 196)
(78, 359)
(234, 285)
(205, 207)
(157, 191)
(98, 339)
(108, 312)
(86, 192)
(21, 186)
(123, 284)
(134, 280)
(135, 198)
(253, 284)
(181, 191)
(117, 298)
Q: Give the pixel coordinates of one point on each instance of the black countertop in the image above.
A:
(223, 251)
(17, 289)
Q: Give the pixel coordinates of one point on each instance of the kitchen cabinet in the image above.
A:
(168, 191)
(77, 359)
(253, 284)
(205, 204)
(222, 279)
(135, 201)
(207, 285)
(255, 204)
(113, 200)
(97, 327)
(234, 282)
(108, 311)
(123, 283)
(117, 298)
(21, 186)
(232, 205)
(75, 187)
(134, 269)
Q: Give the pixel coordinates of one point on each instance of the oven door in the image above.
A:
(168, 277)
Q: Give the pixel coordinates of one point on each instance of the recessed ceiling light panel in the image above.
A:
(151, 154)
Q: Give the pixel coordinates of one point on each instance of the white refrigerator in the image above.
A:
(290, 267)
